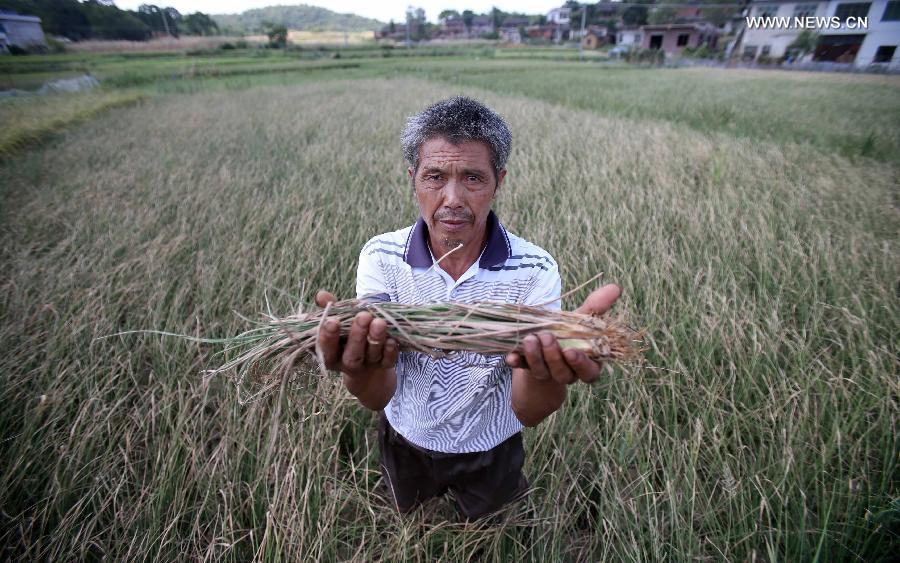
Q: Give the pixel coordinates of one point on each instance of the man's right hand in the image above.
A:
(366, 359)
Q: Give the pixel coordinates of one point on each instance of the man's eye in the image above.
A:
(474, 178)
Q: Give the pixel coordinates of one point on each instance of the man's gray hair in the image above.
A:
(458, 119)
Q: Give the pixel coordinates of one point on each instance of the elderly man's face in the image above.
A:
(455, 186)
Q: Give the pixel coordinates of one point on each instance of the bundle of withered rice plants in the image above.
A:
(268, 352)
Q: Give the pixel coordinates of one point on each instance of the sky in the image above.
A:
(382, 10)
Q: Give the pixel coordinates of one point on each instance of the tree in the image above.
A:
(199, 23)
(58, 17)
(804, 43)
(446, 15)
(109, 22)
(278, 35)
(634, 16)
(468, 16)
(575, 13)
(662, 14)
(718, 16)
(173, 17)
(415, 19)
(160, 20)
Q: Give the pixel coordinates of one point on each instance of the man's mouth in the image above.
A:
(453, 225)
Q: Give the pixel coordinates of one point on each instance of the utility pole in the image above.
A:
(408, 24)
(581, 43)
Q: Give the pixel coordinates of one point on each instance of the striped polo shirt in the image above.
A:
(461, 403)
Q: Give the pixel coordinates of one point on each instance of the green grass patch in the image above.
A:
(32, 119)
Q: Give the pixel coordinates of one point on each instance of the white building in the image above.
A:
(630, 36)
(510, 35)
(879, 43)
(21, 31)
(773, 42)
(559, 19)
(841, 36)
(559, 16)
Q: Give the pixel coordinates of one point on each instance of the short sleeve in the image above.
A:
(370, 278)
(546, 289)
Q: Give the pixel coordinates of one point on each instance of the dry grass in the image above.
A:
(299, 37)
(159, 44)
(764, 272)
(330, 37)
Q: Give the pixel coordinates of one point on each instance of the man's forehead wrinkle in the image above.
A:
(459, 165)
(449, 158)
(446, 158)
(471, 150)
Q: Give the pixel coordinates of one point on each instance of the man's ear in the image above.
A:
(500, 177)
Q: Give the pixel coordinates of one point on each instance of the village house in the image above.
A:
(774, 42)
(674, 38)
(875, 44)
(539, 32)
(559, 22)
(515, 21)
(510, 35)
(559, 16)
(734, 24)
(24, 32)
(481, 25)
(511, 28)
(629, 36)
(397, 31)
(595, 37)
(453, 27)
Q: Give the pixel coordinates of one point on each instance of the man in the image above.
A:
(454, 424)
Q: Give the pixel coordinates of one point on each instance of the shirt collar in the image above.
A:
(497, 250)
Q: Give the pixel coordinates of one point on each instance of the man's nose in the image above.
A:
(453, 193)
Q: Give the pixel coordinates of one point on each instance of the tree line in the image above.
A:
(101, 19)
(595, 14)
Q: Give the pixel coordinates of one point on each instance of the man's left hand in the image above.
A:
(544, 360)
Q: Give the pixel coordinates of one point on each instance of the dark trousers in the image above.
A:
(480, 482)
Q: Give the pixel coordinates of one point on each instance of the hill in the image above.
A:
(300, 16)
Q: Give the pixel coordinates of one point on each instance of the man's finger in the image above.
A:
(535, 357)
(324, 298)
(559, 368)
(585, 369)
(389, 356)
(330, 343)
(375, 341)
(514, 360)
(600, 300)
(355, 349)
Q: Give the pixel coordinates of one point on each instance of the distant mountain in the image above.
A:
(300, 16)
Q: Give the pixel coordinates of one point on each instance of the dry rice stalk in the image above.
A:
(436, 329)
